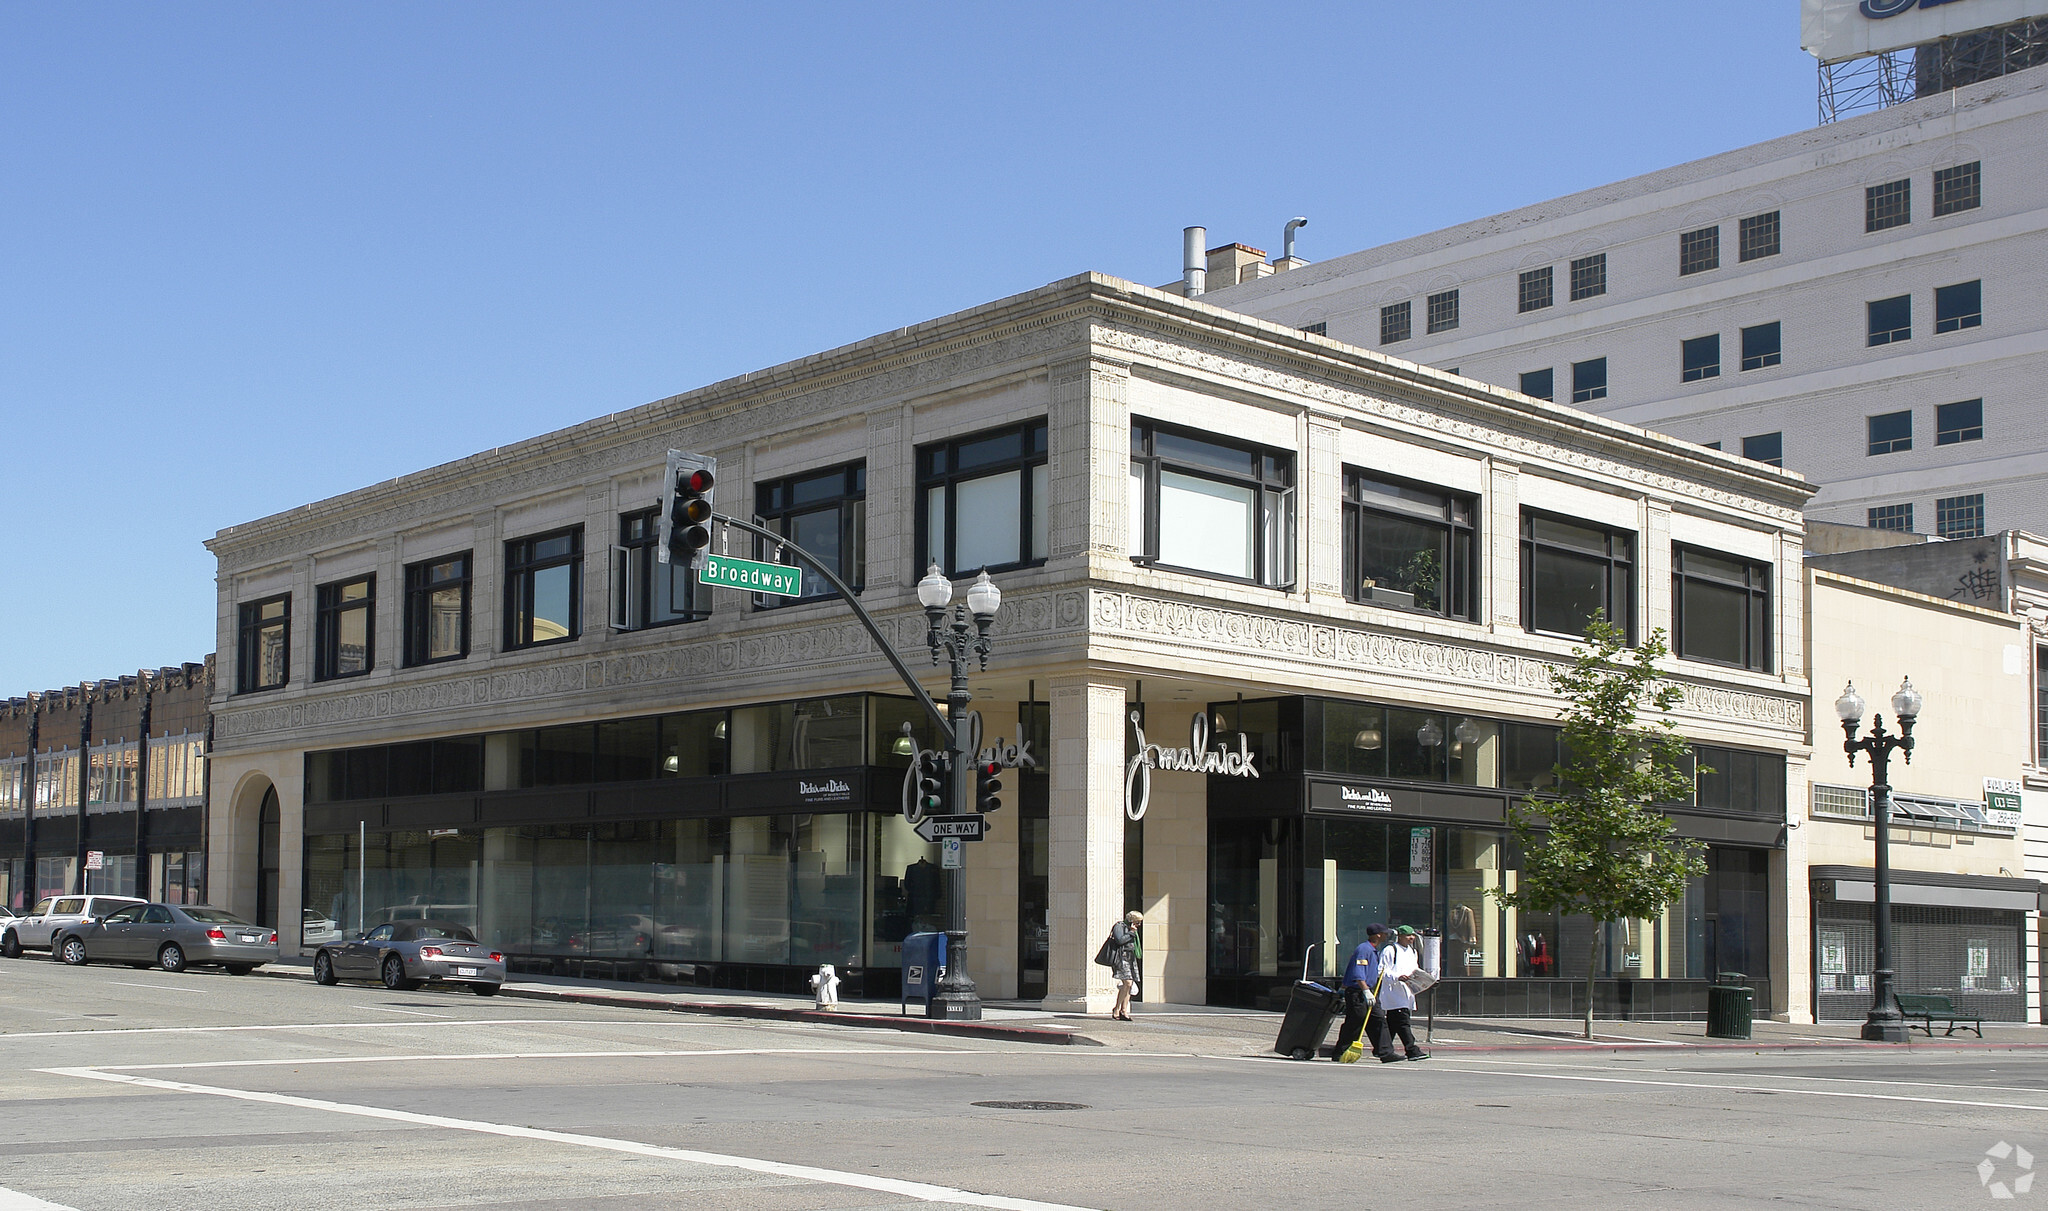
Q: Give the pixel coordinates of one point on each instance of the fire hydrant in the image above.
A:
(826, 986)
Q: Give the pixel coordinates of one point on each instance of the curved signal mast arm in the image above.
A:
(931, 708)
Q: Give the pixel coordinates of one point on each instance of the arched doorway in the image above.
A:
(269, 818)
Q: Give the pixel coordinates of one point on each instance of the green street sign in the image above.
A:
(752, 574)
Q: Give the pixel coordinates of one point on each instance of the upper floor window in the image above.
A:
(1757, 236)
(1209, 506)
(437, 610)
(1891, 517)
(825, 513)
(1394, 322)
(1572, 571)
(985, 500)
(1408, 546)
(1443, 311)
(1534, 292)
(1699, 251)
(544, 588)
(1319, 328)
(343, 628)
(263, 648)
(1765, 448)
(1699, 358)
(1962, 421)
(1539, 384)
(1589, 380)
(1589, 276)
(1888, 205)
(645, 591)
(1720, 608)
(1958, 188)
(1762, 346)
(1959, 516)
(1891, 432)
(1890, 319)
(2041, 705)
(1959, 306)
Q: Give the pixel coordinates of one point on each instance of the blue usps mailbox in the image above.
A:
(924, 961)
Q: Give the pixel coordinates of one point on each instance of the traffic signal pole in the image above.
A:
(957, 997)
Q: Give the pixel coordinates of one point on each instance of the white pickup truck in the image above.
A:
(34, 931)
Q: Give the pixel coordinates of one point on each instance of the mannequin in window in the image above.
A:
(921, 890)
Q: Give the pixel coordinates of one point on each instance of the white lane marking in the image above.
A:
(15, 1200)
(190, 992)
(1468, 1066)
(922, 1191)
(520, 1055)
(418, 1013)
(64, 1034)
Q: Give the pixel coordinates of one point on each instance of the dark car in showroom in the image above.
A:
(170, 936)
(403, 955)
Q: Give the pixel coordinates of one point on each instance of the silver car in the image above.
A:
(406, 954)
(38, 930)
(171, 936)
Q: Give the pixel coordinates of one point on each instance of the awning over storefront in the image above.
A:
(1858, 885)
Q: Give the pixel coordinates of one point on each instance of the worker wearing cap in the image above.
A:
(1399, 961)
(1362, 976)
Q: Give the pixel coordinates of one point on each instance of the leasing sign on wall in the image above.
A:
(1835, 30)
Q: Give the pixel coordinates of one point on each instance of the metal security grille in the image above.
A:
(1972, 956)
(1589, 276)
(1757, 236)
(1958, 188)
(1699, 251)
(1888, 205)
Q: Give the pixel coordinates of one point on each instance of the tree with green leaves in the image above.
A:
(1602, 847)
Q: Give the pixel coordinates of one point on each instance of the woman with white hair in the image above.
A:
(1126, 958)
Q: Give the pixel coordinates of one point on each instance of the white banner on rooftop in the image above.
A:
(1834, 30)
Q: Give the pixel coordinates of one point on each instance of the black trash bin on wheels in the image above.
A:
(1731, 1007)
(1310, 1009)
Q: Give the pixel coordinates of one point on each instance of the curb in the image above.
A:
(720, 1009)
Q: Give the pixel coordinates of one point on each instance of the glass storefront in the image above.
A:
(697, 900)
(1973, 956)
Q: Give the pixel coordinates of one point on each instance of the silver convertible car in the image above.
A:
(172, 936)
(406, 954)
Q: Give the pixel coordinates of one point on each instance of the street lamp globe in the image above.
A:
(983, 597)
(934, 591)
(1849, 707)
(1906, 702)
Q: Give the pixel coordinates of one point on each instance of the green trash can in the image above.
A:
(1731, 1007)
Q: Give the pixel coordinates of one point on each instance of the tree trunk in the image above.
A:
(1592, 966)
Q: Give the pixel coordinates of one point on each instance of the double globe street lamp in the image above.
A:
(1885, 1024)
(958, 642)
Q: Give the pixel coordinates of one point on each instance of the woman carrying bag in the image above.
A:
(1123, 952)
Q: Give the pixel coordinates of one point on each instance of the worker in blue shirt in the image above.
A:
(1361, 1003)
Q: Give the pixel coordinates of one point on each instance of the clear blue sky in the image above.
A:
(255, 255)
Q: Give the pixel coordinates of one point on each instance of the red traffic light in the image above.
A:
(696, 480)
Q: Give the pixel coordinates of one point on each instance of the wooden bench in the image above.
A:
(1929, 1008)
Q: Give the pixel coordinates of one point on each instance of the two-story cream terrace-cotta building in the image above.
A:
(473, 693)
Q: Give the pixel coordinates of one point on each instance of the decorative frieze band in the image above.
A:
(1241, 631)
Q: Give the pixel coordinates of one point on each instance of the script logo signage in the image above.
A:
(1197, 758)
(1008, 754)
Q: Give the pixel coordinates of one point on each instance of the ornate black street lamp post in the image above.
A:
(1884, 1024)
(958, 642)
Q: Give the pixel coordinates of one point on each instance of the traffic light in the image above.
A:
(931, 792)
(685, 521)
(988, 788)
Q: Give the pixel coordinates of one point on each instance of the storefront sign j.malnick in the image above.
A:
(1197, 758)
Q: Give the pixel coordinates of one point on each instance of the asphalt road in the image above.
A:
(136, 1089)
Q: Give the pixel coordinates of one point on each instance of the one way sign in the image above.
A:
(967, 828)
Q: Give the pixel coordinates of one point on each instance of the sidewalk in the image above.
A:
(1215, 1031)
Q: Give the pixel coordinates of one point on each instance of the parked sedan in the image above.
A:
(172, 936)
(406, 954)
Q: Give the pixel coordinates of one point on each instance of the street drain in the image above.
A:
(1031, 1105)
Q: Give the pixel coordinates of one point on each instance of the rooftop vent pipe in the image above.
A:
(1287, 237)
(1194, 260)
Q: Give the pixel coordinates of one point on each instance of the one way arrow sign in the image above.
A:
(967, 828)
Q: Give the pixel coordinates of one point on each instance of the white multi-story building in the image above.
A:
(1858, 303)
